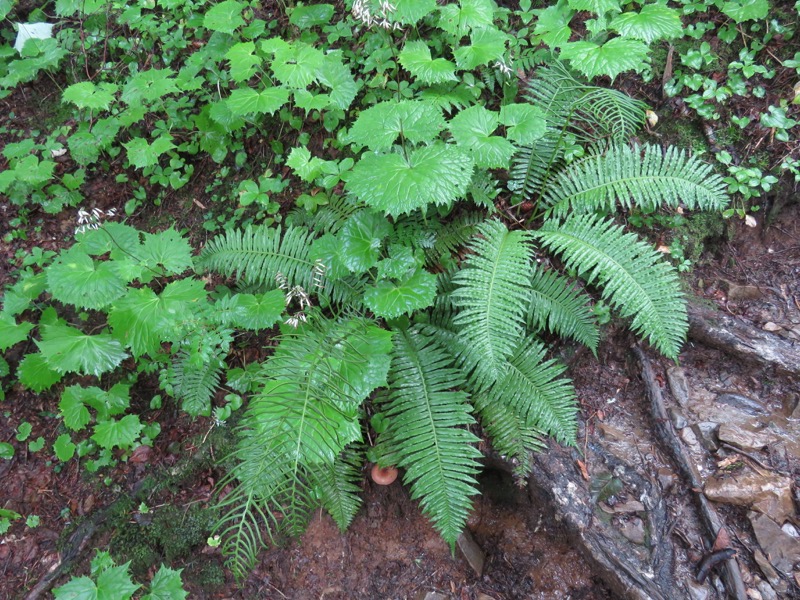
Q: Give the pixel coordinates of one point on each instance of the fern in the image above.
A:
(337, 485)
(532, 165)
(194, 379)
(645, 176)
(427, 431)
(561, 308)
(632, 275)
(491, 298)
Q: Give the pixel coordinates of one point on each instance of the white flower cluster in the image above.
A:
(93, 219)
(362, 12)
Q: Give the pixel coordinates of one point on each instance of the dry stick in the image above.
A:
(663, 428)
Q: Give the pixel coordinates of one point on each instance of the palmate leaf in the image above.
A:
(564, 310)
(379, 126)
(295, 64)
(416, 59)
(599, 7)
(525, 123)
(532, 387)
(646, 177)
(427, 431)
(225, 17)
(259, 311)
(141, 154)
(336, 76)
(243, 61)
(118, 434)
(88, 95)
(491, 296)
(611, 58)
(653, 22)
(459, 19)
(69, 350)
(362, 237)
(247, 101)
(472, 129)
(74, 278)
(11, 332)
(486, 44)
(634, 278)
(35, 374)
(435, 174)
(389, 300)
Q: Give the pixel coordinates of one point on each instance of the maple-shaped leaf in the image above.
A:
(335, 75)
(458, 19)
(149, 86)
(11, 332)
(243, 61)
(653, 22)
(225, 17)
(599, 7)
(552, 25)
(75, 278)
(259, 311)
(389, 300)
(525, 123)
(167, 250)
(294, 64)
(77, 588)
(612, 58)
(141, 154)
(472, 129)
(88, 95)
(362, 237)
(435, 174)
(118, 434)
(416, 59)
(166, 585)
(408, 12)
(73, 407)
(486, 45)
(69, 350)
(379, 126)
(35, 374)
(248, 101)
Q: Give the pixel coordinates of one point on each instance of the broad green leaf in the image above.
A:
(335, 75)
(32, 32)
(64, 448)
(367, 361)
(362, 237)
(525, 122)
(168, 250)
(379, 126)
(11, 332)
(598, 7)
(416, 59)
(117, 238)
(69, 350)
(486, 45)
(136, 321)
(117, 434)
(83, 147)
(472, 129)
(305, 17)
(243, 61)
(6, 451)
(81, 588)
(471, 14)
(612, 58)
(296, 64)
(400, 262)
(66, 8)
(166, 585)
(149, 86)
(305, 166)
(330, 251)
(390, 300)
(435, 174)
(114, 583)
(141, 154)
(35, 374)
(409, 12)
(73, 408)
(225, 17)
(553, 26)
(259, 311)
(653, 22)
(88, 95)
(74, 278)
(746, 10)
(245, 101)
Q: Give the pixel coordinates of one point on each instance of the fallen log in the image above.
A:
(739, 339)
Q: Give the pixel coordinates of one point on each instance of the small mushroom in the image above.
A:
(383, 475)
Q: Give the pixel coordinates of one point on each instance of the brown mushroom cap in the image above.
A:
(384, 475)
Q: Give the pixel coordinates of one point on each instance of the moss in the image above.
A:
(683, 133)
(206, 575)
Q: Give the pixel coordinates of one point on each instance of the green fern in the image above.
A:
(644, 176)
(491, 297)
(532, 165)
(337, 484)
(194, 379)
(632, 275)
(428, 431)
(557, 305)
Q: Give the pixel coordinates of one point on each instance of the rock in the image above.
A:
(666, 478)
(771, 327)
(790, 529)
(706, 432)
(742, 403)
(783, 551)
(739, 293)
(745, 437)
(633, 531)
(678, 385)
(471, 551)
(754, 594)
(767, 591)
(677, 418)
(696, 591)
(766, 568)
(770, 494)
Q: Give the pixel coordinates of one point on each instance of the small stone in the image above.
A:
(770, 494)
(745, 438)
(666, 478)
(783, 551)
(790, 529)
(633, 531)
(677, 418)
(678, 385)
(706, 432)
(771, 327)
(738, 293)
(767, 591)
(766, 568)
(471, 551)
(754, 594)
(696, 591)
(743, 403)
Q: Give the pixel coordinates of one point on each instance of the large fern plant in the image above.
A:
(436, 326)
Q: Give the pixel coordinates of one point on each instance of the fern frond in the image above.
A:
(492, 295)
(427, 430)
(511, 436)
(331, 217)
(258, 254)
(535, 390)
(564, 310)
(644, 176)
(532, 165)
(633, 276)
(452, 236)
(194, 384)
(337, 485)
(483, 189)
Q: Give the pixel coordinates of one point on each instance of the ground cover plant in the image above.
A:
(360, 157)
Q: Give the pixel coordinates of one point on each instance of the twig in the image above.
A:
(753, 458)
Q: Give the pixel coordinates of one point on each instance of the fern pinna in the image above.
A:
(456, 353)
